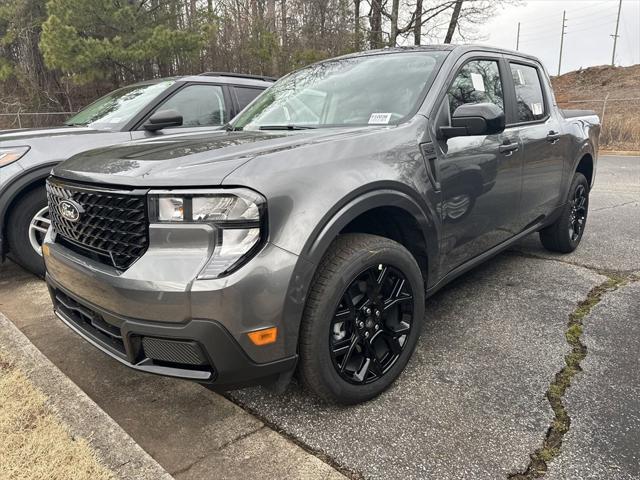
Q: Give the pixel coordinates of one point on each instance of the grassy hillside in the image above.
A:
(587, 89)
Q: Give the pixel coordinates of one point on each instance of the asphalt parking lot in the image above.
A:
(473, 401)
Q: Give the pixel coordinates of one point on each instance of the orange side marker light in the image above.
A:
(264, 336)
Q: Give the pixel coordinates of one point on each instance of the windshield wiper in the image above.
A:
(286, 127)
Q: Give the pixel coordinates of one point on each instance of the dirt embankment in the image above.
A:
(620, 86)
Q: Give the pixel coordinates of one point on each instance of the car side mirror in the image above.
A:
(163, 119)
(475, 119)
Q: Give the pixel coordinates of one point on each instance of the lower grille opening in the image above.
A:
(174, 353)
(90, 322)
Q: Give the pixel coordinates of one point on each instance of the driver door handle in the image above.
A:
(553, 137)
(508, 148)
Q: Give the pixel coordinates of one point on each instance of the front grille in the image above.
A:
(90, 322)
(112, 226)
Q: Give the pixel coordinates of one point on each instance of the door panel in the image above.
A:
(544, 143)
(481, 176)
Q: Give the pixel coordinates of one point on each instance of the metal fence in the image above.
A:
(33, 119)
(603, 102)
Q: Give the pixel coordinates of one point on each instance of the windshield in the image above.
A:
(366, 90)
(114, 110)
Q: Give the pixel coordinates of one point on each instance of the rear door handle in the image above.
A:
(508, 148)
(553, 137)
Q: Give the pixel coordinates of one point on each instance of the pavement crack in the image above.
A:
(350, 474)
(188, 467)
(561, 422)
(634, 202)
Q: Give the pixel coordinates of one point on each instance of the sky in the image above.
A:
(587, 41)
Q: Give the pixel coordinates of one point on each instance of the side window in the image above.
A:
(246, 95)
(477, 82)
(199, 105)
(529, 97)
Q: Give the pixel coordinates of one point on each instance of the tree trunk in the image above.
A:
(454, 21)
(356, 24)
(395, 8)
(375, 21)
(417, 29)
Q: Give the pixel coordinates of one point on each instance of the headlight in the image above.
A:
(11, 154)
(238, 215)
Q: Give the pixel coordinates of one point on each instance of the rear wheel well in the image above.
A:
(585, 167)
(395, 224)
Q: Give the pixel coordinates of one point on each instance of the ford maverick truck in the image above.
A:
(306, 235)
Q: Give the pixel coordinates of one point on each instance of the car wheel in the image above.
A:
(28, 224)
(363, 317)
(565, 233)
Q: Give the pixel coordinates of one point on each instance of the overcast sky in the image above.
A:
(587, 41)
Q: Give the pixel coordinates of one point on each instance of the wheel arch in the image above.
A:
(340, 220)
(28, 181)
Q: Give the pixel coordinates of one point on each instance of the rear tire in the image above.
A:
(22, 235)
(565, 233)
(349, 309)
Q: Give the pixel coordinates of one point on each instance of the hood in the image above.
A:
(188, 159)
(22, 136)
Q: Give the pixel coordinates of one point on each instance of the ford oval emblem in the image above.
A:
(70, 210)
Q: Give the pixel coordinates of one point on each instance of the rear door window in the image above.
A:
(529, 96)
(245, 95)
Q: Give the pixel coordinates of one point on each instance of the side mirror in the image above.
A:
(475, 119)
(163, 119)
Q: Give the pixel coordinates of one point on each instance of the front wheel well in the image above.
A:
(395, 224)
(585, 167)
(24, 190)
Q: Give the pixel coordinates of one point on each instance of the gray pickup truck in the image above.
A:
(308, 234)
(151, 109)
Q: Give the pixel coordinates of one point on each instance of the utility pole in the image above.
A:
(518, 38)
(564, 24)
(615, 35)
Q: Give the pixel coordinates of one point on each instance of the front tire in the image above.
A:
(28, 224)
(565, 233)
(362, 319)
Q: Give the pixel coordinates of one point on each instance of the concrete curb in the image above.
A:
(115, 448)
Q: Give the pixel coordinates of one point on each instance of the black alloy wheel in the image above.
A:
(371, 324)
(578, 215)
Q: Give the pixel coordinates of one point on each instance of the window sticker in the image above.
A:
(537, 108)
(379, 118)
(521, 80)
(478, 82)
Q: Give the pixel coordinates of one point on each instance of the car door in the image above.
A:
(203, 106)
(543, 141)
(480, 176)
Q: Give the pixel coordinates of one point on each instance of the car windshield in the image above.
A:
(364, 90)
(114, 110)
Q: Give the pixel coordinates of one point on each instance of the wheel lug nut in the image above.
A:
(376, 326)
(377, 313)
(366, 334)
(361, 324)
(368, 311)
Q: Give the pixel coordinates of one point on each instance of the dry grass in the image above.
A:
(586, 88)
(34, 444)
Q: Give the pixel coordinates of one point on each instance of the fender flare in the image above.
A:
(13, 191)
(329, 228)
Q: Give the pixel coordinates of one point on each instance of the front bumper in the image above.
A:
(158, 298)
(199, 350)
